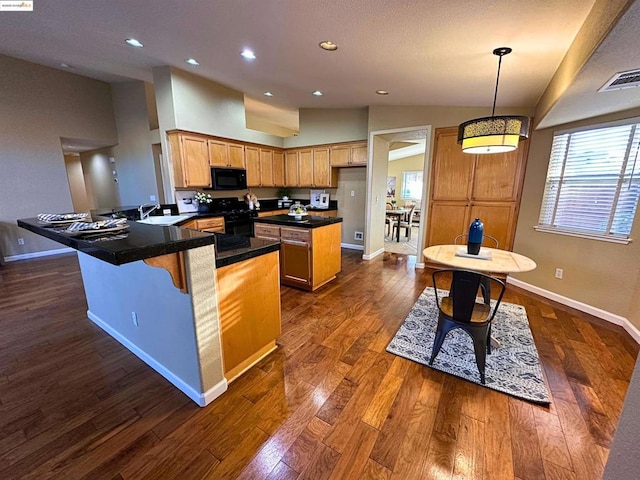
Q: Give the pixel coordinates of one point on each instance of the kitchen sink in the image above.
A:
(165, 219)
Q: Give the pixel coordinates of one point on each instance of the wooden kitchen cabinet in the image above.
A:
(190, 160)
(278, 168)
(349, 155)
(252, 158)
(299, 167)
(266, 167)
(226, 154)
(309, 257)
(323, 174)
(465, 187)
(211, 224)
(249, 311)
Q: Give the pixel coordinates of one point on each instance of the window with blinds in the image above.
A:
(593, 182)
(411, 185)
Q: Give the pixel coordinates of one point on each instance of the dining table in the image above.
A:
(489, 260)
(398, 213)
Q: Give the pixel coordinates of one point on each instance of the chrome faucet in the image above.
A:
(144, 215)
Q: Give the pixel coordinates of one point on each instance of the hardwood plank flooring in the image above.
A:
(329, 403)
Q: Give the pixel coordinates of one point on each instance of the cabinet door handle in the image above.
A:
(295, 242)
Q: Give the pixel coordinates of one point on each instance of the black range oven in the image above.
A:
(238, 219)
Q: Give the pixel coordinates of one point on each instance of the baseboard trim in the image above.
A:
(352, 246)
(45, 253)
(201, 398)
(373, 255)
(583, 307)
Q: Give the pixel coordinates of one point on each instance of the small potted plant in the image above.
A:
(204, 201)
(283, 193)
(393, 203)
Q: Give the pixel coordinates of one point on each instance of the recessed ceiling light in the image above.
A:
(134, 43)
(248, 54)
(318, 93)
(268, 94)
(328, 45)
(382, 92)
(192, 61)
(65, 65)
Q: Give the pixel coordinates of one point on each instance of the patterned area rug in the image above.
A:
(512, 368)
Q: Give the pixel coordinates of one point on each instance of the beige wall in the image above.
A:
(75, 175)
(39, 105)
(133, 154)
(351, 209)
(408, 164)
(323, 125)
(99, 179)
(600, 274)
(377, 177)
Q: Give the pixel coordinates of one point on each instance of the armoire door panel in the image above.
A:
(498, 220)
(452, 169)
(446, 220)
(497, 177)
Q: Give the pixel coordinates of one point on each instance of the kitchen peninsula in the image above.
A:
(310, 250)
(188, 303)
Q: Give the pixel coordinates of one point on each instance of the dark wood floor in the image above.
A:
(329, 403)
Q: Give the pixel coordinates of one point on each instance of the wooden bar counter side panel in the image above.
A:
(249, 309)
(329, 263)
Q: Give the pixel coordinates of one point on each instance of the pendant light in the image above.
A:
(494, 134)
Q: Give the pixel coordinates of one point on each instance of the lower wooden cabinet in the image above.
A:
(249, 311)
(309, 257)
(213, 224)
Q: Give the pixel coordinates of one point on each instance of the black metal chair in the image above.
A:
(461, 309)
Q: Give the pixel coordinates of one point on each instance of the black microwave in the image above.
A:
(228, 178)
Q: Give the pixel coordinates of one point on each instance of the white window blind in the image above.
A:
(593, 181)
(411, 185)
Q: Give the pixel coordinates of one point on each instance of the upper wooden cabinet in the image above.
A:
(226, 154)
(323, 174)
(190, 159)
(278, 168)
(349, 155)
(299, 167)
(464, 187)
(266, 167)
(252, 157)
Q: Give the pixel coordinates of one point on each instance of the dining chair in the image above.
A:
(461, 309)
(388, 222)
(407, 223)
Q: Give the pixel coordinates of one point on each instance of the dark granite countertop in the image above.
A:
(142, 241)
(310, 221)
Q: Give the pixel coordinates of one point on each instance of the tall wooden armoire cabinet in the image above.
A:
(464, 187)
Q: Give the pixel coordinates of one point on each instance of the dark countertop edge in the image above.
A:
(234, 256)
(141, 253)
(314, 221)
(126, 256)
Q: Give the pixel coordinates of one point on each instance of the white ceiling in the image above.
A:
(429, 52)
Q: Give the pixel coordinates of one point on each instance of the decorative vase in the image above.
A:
(203, 207)
(474, 241)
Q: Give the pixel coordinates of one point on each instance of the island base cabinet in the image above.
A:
(296, 263)
(249, 311)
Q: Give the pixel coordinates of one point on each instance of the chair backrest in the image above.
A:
(389, 206)
(408, 217)
(487, 240)
(464, 291)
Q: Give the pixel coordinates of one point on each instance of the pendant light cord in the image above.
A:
(495, 95)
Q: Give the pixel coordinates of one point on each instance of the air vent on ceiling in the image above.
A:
(622, 80)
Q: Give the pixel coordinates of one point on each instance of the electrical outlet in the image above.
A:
(559, 273)
(134, 318)
(21, 241)
(353, 193)
(358, 236)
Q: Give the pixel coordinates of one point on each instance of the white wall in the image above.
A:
(39, 105)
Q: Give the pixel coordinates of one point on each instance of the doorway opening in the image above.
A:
(397, 184)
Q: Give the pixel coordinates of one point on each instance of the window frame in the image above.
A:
(402, 190)
(606, 237)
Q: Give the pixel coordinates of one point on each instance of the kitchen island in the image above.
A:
(185, 302)
(310, 255)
